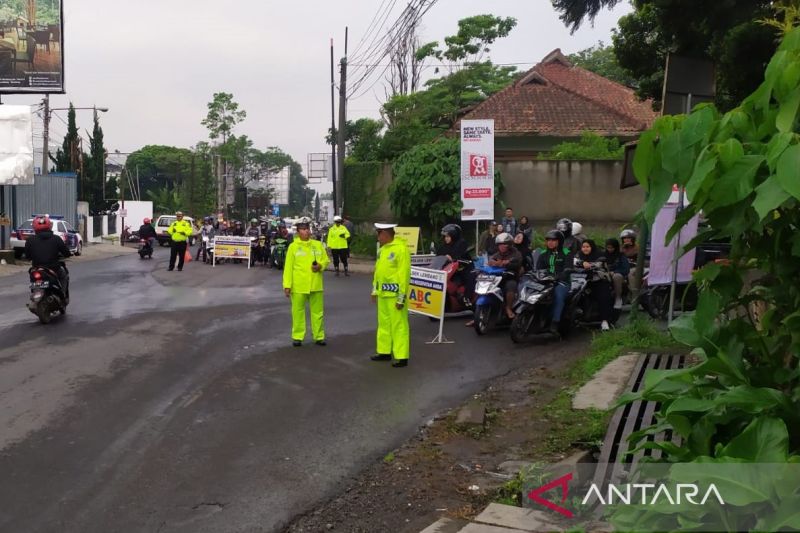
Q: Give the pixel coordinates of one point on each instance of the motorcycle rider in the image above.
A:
(338, 237)
(238, 229)
(555, 260)
(508, 257)
(577, 233)
(570, 242)
(45, 248)
(457, 249)
(588, 259)
(207, 233)
(147, 232)
(254, 232)
(619, 267)
(630, 250)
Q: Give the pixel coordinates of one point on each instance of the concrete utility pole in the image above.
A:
(342, 121)
(46, 135)
(334, 161)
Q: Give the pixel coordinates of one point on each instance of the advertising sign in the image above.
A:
(662, 257)
(477, 169)
(426, 292)
(16, 145)
(410, 235)
(31, 46)
(421, 260)
(232, 248)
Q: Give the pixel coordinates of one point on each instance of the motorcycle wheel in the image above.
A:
(43, 312)
(521, 325)
(481, 319)
(658, 304)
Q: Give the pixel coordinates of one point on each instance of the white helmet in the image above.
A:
(504, 238)
(337, 218)
(577, 227)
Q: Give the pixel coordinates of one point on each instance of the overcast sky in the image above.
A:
(157, 63)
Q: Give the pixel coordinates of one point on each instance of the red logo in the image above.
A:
(562, 482)
(478, 165)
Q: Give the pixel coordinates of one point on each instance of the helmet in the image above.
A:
(146, 220)
(237, 223)
(281, 224)
(565, 227)
(454, 230)
(337, 218)
(254, 221)
(42, 223)
(554, 234)
(577, 227)
(628, 234)
(504, 238)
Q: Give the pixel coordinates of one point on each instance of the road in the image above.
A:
(174, 402)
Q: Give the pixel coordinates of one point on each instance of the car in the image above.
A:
(163, 223)
(61, 227)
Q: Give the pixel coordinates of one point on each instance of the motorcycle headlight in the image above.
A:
(532, 298)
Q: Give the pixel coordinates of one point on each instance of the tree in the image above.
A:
(94, 169)
(223, 115)
(574, 12)
(362, 139)
(66, 158)
(591, 147)
(602, 60)
(426, 189)
(316, 207)
(472, 41)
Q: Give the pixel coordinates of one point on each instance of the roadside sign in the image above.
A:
(232, 248)
(422, 260)
(5, 221)
(276, 210)
(122, 213)
(410, 235)
(426, 296)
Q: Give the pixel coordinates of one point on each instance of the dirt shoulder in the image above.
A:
(452, 470)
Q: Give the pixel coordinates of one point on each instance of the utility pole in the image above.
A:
(46, 135)
(342, 120)
(334, 162)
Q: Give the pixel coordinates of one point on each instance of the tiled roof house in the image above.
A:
(556, 101)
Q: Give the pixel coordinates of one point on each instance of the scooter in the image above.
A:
(145, 250)
(455, 300)
(581, 310)
(48, 297)
(490, 305)
(534, 306)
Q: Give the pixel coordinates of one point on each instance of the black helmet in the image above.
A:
(454, 230)
(565, 227)
(554, 234)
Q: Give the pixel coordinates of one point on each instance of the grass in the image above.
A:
(389, 459)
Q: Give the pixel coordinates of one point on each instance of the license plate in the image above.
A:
(40, 285)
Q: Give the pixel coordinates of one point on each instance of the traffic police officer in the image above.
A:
(179, 232)
(338, 236)
(389, 290)
(302, 282)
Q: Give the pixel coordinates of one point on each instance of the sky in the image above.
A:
(157, 63)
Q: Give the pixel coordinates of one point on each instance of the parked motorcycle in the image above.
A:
(455, 299)
(145, 250)
(48, 297)
(490, 305)
(534, 306)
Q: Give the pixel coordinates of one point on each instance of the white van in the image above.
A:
(163, 223)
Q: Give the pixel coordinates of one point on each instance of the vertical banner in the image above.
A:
(16, 145)
(662, 257)
(477, 169)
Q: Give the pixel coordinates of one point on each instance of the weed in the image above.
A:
(389, 459)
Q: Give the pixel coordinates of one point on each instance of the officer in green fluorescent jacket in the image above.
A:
(338, 237)
(389, 290)
(306, 260)
(179, 232)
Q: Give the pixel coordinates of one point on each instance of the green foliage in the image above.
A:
(363, 245)
(362, 195)
(591, 147)
(362, 139)
(474, 36)
(66, 159)
(94, 172)
(741, 402)
(574, 12)
(725, 32)
(602, 60)
(165, 200)
(427, 186)
(223, 115)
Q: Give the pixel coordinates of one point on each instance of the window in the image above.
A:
(164, 222)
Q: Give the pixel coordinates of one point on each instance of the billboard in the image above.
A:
(31, 46)
(477, 169)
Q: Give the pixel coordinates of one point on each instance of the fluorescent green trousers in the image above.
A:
(315, 304)
(393, 333)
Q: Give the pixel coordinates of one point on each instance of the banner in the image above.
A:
(426, 292)
(232, 248)
(662, 257)
(477, 169)
(421, 260)
(31, 46)
(16, 145)
(410, 235)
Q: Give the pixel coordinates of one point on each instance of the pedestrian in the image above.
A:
(525, 227)
(338, 237)
(179, 232)
(350, 227)
(509, 222)
(306, 260)
(389, 289)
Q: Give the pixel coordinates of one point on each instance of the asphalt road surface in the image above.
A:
(174, 401)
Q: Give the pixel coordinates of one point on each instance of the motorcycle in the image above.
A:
(490, 304)
(145, 250)
(534, 305)
(581, 309)
(455, 299)
(258, 249)
(48, 297)
(278, 252)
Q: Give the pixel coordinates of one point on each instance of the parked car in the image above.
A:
(61, 227)
(163, 223)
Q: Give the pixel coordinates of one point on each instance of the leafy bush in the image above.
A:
(590, 147)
